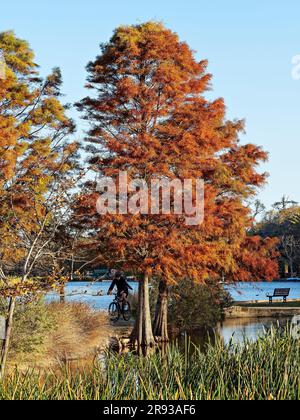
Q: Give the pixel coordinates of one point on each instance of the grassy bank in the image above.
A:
(47, 334)
(268, 369)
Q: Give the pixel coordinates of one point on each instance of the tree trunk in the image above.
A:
(72, 268)
(292, 267)
(62, 294)
(142, 334)
(160, 325)
(9, 324)
(2, 275)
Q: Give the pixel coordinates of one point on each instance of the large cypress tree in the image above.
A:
(150, 118)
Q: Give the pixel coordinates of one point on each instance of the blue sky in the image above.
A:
(249, 45)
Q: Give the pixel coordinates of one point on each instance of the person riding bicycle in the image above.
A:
(120, 282)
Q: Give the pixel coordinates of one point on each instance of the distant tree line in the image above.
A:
(282, 222)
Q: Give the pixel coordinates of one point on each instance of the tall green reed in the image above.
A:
(266, 369)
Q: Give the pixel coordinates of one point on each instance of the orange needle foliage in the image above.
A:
(150, 117)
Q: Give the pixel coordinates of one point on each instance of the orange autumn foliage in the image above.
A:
(257, 259)
(150, 117)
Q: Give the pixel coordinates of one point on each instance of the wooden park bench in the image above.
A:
(279, 293)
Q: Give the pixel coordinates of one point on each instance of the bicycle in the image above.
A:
(118, 308)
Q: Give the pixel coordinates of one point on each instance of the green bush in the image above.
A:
(197, 306)
(32, 323)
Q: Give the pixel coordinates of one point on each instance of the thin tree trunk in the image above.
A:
(9, 324)
(72, 268)
(292, 267)
(160, 325)
(2, 275)
(62, 294)
(142, 334)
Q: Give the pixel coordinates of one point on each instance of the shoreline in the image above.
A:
(251, 309)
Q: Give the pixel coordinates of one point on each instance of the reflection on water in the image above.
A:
(252, 329)
(233, 330)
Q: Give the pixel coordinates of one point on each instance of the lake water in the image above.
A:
(258, 291)
(86, 292)
(239, 328)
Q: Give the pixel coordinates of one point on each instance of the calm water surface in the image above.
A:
(258, 291)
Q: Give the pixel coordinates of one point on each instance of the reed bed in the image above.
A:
(268, 369)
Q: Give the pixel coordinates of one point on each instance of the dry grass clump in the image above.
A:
(80, 331)
(45, 334)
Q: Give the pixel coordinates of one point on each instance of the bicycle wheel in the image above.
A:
(114, 312)
(126, 310)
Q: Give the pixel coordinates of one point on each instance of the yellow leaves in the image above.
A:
(16, 287)
(43, 184)
(134, 35)
(34, 162)
(18, 55)
(49, 112)
(290, 215)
